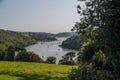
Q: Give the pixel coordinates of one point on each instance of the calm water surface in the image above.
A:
(51, 48)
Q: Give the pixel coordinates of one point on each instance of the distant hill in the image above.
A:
(8, 38)
(13, 38)
(65, 34)
(73, 42)
(42, 36)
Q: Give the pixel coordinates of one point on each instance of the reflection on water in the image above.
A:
(51, 48)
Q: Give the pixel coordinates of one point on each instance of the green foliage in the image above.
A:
(99, 54)
(35, 58)
(2, 47)
(87, 72)
(88, 47)
(73, 42)
(22, 55)
(9, 54)
(99, 60)
(70, 55)
(65, 34)
(67, 59)
(2, 55)
(42, 36)
(11, 38)
(86, 53)
(28, 57)
(51, 59)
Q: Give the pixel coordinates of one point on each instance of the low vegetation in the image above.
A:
(33, 71)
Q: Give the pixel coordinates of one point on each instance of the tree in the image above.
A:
(51, 59)
(68, 59)
(99, 60)
(20, 49)
(22, 56)
(103, 16)
(2, 51)
(2, 54)
(10, 53)
(28, 57)
(2, 47)
(70, 55)
(35, 58)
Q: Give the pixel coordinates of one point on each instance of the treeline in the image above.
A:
(18, 54)
(73, 42)
(21, 54)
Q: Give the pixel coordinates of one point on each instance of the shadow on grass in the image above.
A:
(35, 76)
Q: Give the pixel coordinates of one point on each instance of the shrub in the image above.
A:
(51, 59)
(10, 53)
(68, 59)
(28, 57)
(35, 58)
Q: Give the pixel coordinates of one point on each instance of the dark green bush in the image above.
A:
(51, 59)
(68, 59)
(28, 57)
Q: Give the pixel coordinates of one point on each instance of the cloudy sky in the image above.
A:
(38, 15)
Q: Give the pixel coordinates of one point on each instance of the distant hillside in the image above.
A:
(42, 36)
(65, 34)
(13, 38)
(73, 42)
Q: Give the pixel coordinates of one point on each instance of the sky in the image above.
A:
(38, 15)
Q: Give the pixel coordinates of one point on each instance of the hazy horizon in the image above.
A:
(51, 16)
(38, 31)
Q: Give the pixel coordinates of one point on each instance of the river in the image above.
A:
(50, 48)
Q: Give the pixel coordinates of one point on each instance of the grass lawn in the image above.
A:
(33, 71)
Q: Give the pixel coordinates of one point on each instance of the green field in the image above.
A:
(33, 71)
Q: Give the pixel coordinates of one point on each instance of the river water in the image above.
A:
(50, 48)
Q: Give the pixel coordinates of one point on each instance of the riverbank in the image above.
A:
(51, 48)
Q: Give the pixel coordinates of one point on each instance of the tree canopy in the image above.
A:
(99, 27)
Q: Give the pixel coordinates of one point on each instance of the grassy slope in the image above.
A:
(15, 38)
(33, 71)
